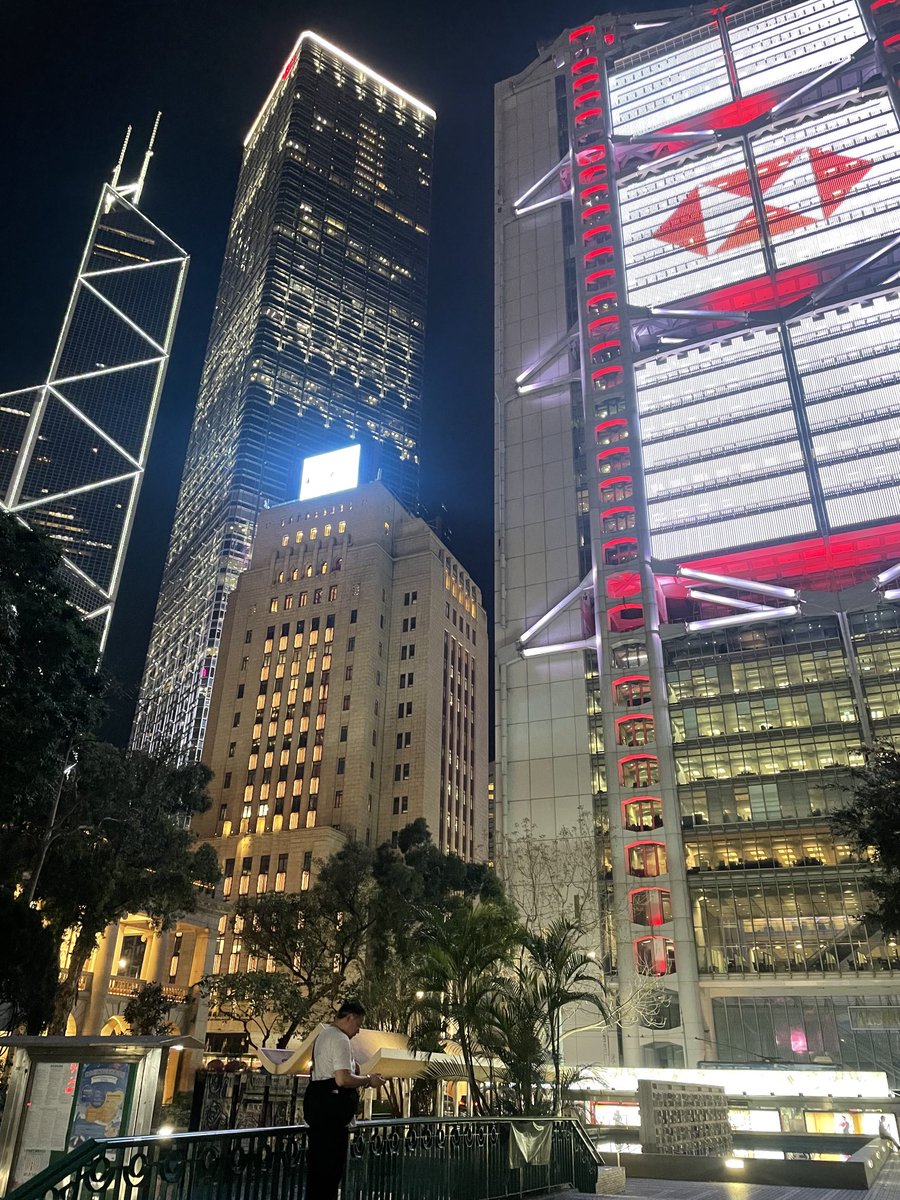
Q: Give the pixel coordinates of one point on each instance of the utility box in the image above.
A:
(65, 1090)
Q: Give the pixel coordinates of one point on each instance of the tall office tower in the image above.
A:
(73, 450)
(317, 338)
(698, 479)
(351, 696)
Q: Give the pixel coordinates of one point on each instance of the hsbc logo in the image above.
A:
(820, 178)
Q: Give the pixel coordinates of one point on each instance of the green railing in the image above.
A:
(416, 1159)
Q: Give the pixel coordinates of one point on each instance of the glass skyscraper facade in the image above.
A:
(317, 340)
(73, 450)
(698, 467)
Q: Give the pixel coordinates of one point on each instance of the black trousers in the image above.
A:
(328, 1111)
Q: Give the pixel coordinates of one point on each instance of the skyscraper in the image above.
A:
(73, 450)
(698, 481)
(317, 337)
(351, 697)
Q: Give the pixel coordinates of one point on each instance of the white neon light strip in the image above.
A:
(308, 36)
(771, 614)
(77, 491)
(558, 648)
(101, 433)
(887, 576)
(540, 183)
(128, 321)
(727, 601)
(746, 585)
(141, 266)
(530, 208)
(892, 594)
(557, 608)
(554, 352)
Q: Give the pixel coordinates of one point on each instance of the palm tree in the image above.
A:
(564, 975)
(467, 951)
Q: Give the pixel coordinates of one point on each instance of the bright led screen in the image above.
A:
(774, 47)
(669, 83)
(337, 471)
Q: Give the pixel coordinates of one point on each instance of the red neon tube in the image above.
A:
(582, 32)
(590, 114)
(586, 96)
(596, 350)
(588, 61)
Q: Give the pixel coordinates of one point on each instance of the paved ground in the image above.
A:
(886, 1187)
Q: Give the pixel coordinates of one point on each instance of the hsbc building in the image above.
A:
(698, 513)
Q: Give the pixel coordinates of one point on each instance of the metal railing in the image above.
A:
(410, 1159)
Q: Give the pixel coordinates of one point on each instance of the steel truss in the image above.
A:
(76, 446)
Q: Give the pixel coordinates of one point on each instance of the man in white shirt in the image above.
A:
(330, 1102)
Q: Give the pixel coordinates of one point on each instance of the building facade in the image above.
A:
(317, 338)
(73, 450)
(351, 697)
(697, 483)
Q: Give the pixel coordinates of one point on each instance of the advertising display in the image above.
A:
(46, 1124)
(100, 1103)
(336, 471)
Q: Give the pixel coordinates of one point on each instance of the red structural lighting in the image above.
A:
(601, 298)
(891, 41)
(582, 32)
(623, 584)
(584, 80)
(587, 61)
(589, 174)
(590, 155)
(586, 96)
(609, 345)
(597, 275)
(595, 326)
(590, 114)
(595, 190)
(601, 251)
(601, 371)
(593, 211)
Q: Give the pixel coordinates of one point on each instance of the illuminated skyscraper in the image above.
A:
(698, 478)
(73, 450)
(317, 337)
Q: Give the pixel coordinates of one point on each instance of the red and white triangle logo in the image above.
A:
(823, 178)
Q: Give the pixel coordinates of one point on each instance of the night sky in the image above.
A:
(76, 74)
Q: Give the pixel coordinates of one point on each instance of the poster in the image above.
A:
(100, 1101)
(47, 1113)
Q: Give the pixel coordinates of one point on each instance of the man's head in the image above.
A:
(350, 1017)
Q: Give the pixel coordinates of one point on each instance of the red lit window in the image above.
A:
(632, 690)
(582, 32)
(590, 155)
(643, 814)
(625, 617)
(646, 860)
(654, 956)
(587, 97)
(635, 731)
(639, 771)
(587, 61)
(592, 114)
(619, 551)
(621, 488)
(617, 520)
(650, 906)
(616, 458)
(608, 433)
(601, 302)
(589, 174)
(605, 351)
(622, 584)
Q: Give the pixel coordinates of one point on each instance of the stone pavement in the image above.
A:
(886, 1187)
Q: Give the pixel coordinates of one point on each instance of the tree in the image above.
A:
(267, 1004)
(147, 1012)
(564, 976)
(29, 966)
(871, 824)
(468, 950)
(318, 937)
(122, 846)
(50, 691)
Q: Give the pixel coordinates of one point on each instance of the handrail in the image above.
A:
(406, 1158)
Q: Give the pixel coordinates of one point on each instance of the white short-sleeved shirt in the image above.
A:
(331, 1053)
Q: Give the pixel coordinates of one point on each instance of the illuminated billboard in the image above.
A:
(336, 471)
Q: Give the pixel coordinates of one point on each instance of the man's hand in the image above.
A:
(377, 1081)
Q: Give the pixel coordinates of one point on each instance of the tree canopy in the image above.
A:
(871, 823)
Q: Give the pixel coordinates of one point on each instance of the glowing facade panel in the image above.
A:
(773, 46)
(688, 229)
(670, 83)
(336, 471)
